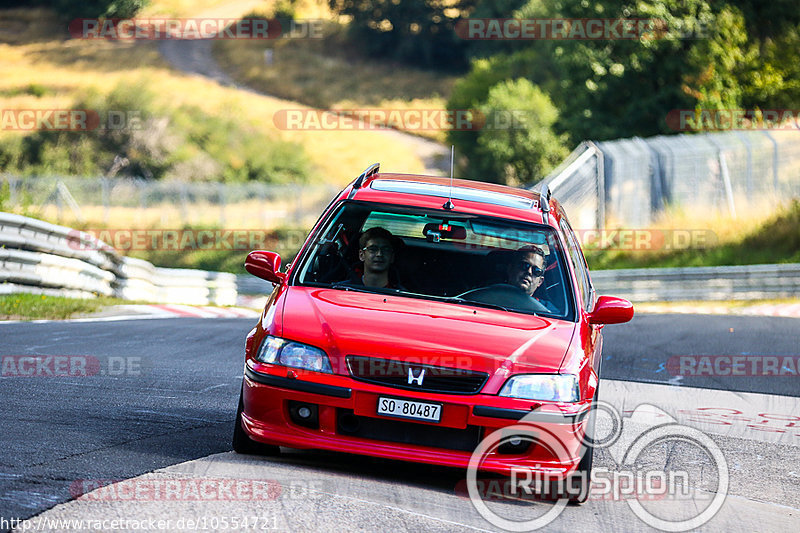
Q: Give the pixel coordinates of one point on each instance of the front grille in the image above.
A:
(407, 432)
(396, 374)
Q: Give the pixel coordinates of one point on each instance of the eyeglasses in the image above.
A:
(385, 250)
(537, 271)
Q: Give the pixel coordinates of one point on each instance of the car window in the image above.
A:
(460, 258)
(579, 263)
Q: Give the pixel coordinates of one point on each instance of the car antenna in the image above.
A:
(449, 203)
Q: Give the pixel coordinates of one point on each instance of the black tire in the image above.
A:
(242, 443)
(581, 481)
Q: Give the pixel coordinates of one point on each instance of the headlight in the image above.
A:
(549, 387)
(282, 352)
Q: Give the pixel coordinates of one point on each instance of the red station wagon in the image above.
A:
(421, 315)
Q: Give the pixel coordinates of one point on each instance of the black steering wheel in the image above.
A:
(505, 295)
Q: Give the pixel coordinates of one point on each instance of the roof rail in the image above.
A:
(372, 169)
(544, 201)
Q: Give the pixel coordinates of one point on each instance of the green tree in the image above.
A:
(517, 145)
(766, 19)
(70, 9)
(182, 143)
(607, 89)
(419, 32)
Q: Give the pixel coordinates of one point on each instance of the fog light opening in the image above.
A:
(515, 444)
(304, 414)
(349, 423)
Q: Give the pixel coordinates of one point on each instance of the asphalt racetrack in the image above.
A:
(159, 399)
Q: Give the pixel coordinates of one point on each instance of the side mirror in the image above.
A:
(265, 265)
(611, 310)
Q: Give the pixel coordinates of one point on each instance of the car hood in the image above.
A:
(423, 331)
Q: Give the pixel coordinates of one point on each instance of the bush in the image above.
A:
(97, 8)
(184, 143)
(517, 145)
(416, 32)
(71, 9)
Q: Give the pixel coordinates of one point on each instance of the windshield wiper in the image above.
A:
(349, 287)
(458, 300)
(361, 288)
(446, 299)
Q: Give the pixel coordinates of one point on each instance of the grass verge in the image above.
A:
(286, 241)
(332, 73)
(43, 69)
(40, 306)
(741, 242)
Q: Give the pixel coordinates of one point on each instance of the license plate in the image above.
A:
(429, 412)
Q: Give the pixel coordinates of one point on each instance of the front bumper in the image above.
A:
(347, 421)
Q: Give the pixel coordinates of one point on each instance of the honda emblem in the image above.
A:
(415, 379)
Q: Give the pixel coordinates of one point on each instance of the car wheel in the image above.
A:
(242, 443)
(581, 481)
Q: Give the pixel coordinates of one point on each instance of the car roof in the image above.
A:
(431, 191)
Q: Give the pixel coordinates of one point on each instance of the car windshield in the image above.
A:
(459, 258)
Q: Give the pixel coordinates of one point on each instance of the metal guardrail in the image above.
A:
(36, 256)
(748, 282)
(233, 205)
(40, 257)
(249, 284)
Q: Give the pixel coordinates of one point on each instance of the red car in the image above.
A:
(421, 315)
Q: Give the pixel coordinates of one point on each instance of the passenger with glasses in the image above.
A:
(376, 251)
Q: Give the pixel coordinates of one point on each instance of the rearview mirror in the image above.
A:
(435, 232)
(611, 310)
(265, 265)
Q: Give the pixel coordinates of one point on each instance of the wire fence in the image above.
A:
(144, 203)
(630, 181)
(626, 182)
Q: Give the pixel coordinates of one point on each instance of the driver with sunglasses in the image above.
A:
(526, 271)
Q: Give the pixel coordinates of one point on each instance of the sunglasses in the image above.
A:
(537, 271)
